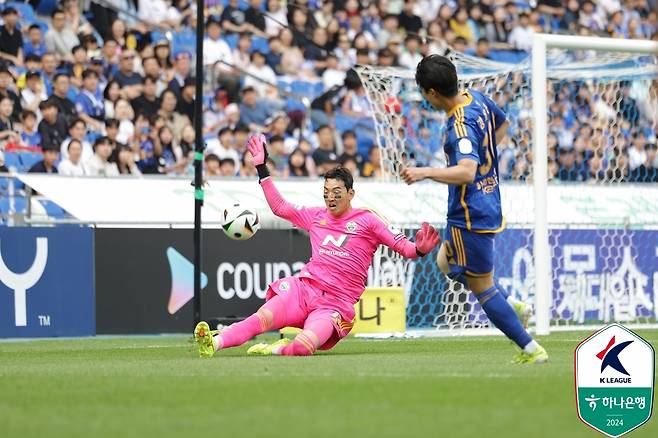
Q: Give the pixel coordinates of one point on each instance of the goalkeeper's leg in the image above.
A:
(323, 328)
(280, 311)
(285, 309)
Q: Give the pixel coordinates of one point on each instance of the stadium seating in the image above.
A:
(12, 160)
(29, 159)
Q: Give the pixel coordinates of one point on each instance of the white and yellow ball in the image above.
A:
(239, 222)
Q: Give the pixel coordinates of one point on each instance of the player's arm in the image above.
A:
(501, 131)
(300, 217)
(427, 238)
(462, 173)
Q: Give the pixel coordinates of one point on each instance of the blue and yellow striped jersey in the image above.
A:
(472, 135)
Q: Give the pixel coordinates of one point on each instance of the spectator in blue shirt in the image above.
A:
(30, 135)
(89, 103)
(34, 44)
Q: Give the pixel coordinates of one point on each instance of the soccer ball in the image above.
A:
(240, 223)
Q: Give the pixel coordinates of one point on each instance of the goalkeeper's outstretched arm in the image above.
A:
(427, 238)
(279, 206)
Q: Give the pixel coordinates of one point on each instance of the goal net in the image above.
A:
(601, 194)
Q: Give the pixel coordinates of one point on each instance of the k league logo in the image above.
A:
(20, 283)
(614, 372)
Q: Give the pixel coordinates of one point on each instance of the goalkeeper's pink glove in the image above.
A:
(256, 145)
(427, 238)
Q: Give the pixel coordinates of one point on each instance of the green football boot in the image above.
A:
(539, 356)
(203, 337)
(264, 349)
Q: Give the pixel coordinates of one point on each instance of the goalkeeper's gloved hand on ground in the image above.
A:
(256, 145)
(427, 238)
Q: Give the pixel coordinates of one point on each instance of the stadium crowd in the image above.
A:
(107, 87)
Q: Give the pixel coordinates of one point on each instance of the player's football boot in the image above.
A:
(203, 337)
(539, 356)
(264, 349)
(524, 312)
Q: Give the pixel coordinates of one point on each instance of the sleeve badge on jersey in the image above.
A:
(396, 232)
(465, 146)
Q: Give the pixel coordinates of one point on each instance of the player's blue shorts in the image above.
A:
(469, 253)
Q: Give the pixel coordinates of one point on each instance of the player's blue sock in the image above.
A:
(503, 316)
(501, 289)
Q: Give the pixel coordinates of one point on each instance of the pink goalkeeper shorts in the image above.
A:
(305, 302)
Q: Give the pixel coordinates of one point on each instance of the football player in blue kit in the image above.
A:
(475, 126)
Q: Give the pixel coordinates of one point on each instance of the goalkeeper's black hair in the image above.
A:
(438, 73)
(341, 173)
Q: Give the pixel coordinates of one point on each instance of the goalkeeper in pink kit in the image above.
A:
(320, 299)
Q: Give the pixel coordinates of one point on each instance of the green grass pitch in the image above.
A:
(157, 387)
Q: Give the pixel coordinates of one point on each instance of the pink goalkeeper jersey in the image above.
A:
(341, 247)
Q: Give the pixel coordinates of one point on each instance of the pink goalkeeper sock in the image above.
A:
(240, 332)
(303, 345)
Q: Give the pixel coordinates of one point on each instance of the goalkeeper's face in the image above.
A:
(336, 197)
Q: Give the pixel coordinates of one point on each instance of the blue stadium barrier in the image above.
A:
(303, 88)
(19, 204)
(29, 159)
(294, 105)
(184, 41)
(231, 40)
(12, 160)
(46, 7)
(364, 140)
(4, 185)
(283, 84)
(25, 12)
(344, 123)
(157, 36)
(53, 210)
(260, 44)
(242, 4)
(509, 56)
(319, 88)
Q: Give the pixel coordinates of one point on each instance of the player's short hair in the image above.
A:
(341, 173)
(438, 73)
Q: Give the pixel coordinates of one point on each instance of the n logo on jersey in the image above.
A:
(342, 240)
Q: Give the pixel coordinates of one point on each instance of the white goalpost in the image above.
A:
(578, 247)
(540, 44)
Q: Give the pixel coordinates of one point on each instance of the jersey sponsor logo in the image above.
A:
(339, 242)
(350, 227)
(333, 252)
(465, 146)
(298, 206)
